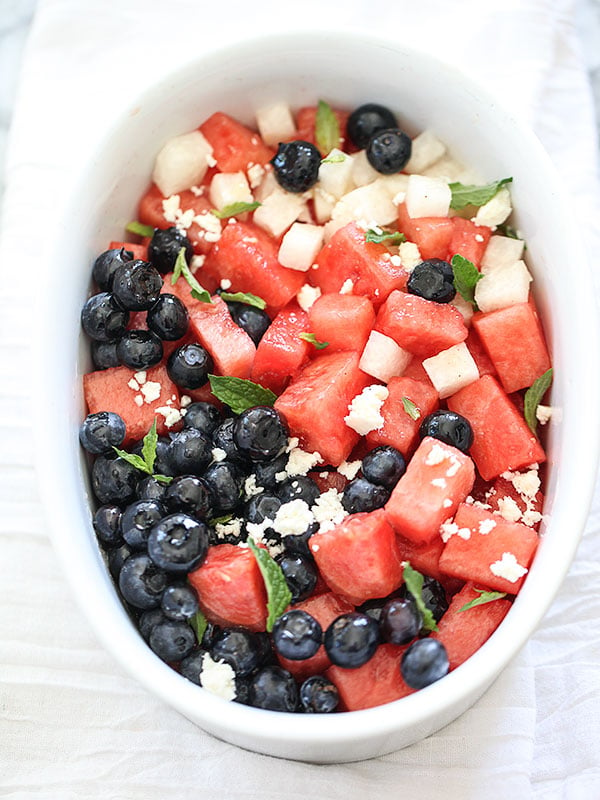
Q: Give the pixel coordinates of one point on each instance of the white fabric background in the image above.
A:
(72, 725)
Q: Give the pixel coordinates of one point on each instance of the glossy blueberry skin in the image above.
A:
(388, 151)
(117, 556)
(161, 463)
(139, 349)
(400, 620)
(178, 543)
(114, 480)
(384, 466)
(265, 472)
(165, 246)
(191, 666)
(189, 366)
(300, 575)
(260, 433)
(362, 495)
(239, 648)
(296, 165)
(351, 639)
(147, 621)
(434, 597)
(253, 320)
(273, 688)
(179, 602)
(107, 263)
(107, 526)
(262, 506)
(299, 487)
(168, 318)
(100, 432)
(367, 120)
(297, 635)
(104, 354)
(222, 438)
(203, 417)
(136, 285)
(188, 494)
(449, 427)
(151, 489)
(432, 280)
(189, 452)
(297, 543)
(103, 319)
(318, 695)
(142, 582)
(224, 481)
(424, 662)
(137, 520)
(172, 641)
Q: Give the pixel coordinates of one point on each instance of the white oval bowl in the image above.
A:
(346, 70)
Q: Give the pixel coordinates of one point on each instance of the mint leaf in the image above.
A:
(278, 594)
(220, 520)
(472, 195)
(135, 461)
(163, 478)
(338, 158)
(466, 277)
(386, 237)
(145, 463)
(327, 128)
(534, 396)
(199, 624)
(246, 298)
(240, 394)
(507, 230)
(484, 597)
(414, 584)
(181, 268)
(139, 229)
(234, 209)
(411, 409)
(149, 447)
(312, 339)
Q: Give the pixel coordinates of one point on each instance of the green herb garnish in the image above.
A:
(244, 297)
(472, 195)
(466, 277)
(181, 268)
(327, 128)
(312, 339)
(199, 624)
(414, 584)
(240, 394)
(234, 209)
(533, 397)
(145, 462)
(484, 597)
(278, 594)
(139, 229)
(338, 158)
(220, 520)
(411, 409)
(386, 237)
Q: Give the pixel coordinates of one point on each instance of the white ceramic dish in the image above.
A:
(346, 70)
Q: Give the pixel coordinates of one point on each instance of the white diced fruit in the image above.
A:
(323, 204)
(227, 188)
(362, 172)
(275, 123)
(501, 251)
(383, 358)
(503, 287)
(181, 163)
(426, 150)
(278, 211)
(393, 185)
(495, 211)
(300, 246)
(465, 308)
(370, 204)
(335, 173)
(427, 197)
(450, 170)
(451, 370)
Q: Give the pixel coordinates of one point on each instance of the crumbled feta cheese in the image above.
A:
(486, 526)
(218, 454)
(479, 237)
(349, 469)
(257, 529)
(307, 296)
(141, 376)
(151, 391)
(436, 455)
(448, 529)
(509, 509)
(328, 508)
(138, 400)
(347, 287)
(171, 208)
(543, 414)
(172, 415)
(225, 284)
(293, 518)
(454, 466)
(211, 160)
(218, 678)
(410, 255)
(293, 442)
(439, 483)
(508, 568)
(255, 175)
(300, 462)
(232, 527)
(197, 191)
(250, 487)
(133, 384)
(185, 401)
(395, 260)
(464, 533)
(447, 503)
(531, 517)
(197, 262)
(210, 224)
(365, 410)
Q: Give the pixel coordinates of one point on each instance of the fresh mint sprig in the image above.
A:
(199, 625)
(139, 229)
(466, 278)
(246, 298)
(464, 195)
(414, 584)
(327, 128)
(312, 339)
(240, 394)
(484, 597)
(181, 268)
(386, 237)
(145, 463)
(534, 396)
(233, 209)
(413, 411)
(278, 594)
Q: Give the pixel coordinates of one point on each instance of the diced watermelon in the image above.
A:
(247, 256)
(420, 326)
(438, 477)
(515, 344)
(348, 256)
(501, 438)
(432, 235)
(316, 402)
(281, 352)
(423, 557)
(399, 429)
(343, 320)
(503, 489)
(230, 587)
(416, 371)
(463, 632)
(375, 683)
(359, 558)
(235, 147)
(476, 556)
(468, 240)
(305, 124)
(139, 250)
(109, 390)
(328, 479)
(484, 363)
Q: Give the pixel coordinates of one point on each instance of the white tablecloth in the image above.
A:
(72, 725)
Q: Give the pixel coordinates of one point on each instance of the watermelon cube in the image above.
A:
(139, 250)
(468, 240)
(342, 320)
(432, 235)
(235, 147)
(281, 352)
(375, 683)
(305, 124)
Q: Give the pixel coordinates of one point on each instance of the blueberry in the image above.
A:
(168, 318)
(107, 263)
(161, 465)
(296, 165)
(136, 285)
(297, 543)
(400, 620)
(147, 621)
(434, 597)
(239, 648)
(384, 466)
(142, 582)
(432, 280)
(172, 641)
(388, 151)
(318, 695)
(299, 487)
(139, 349)
(253, 320)
(261, 507)
(191, 666)
(164, 248)
(137, 519)
(189, 452)
(300, 575)
(189, 366)
(189, 495)
(178, 543)
(424, 662)
(104, 354)
(106, 525)
(449, 427)
(100, 432)
(117, 556)
(225, 483)
(367, 120)
(351, 639)
(151, 489)
(179, 602)
(265, 472)
(362, 495)
(260, 433)
(297, 635)
(223, 440)
(103, 319)
(373, 608)
(275, 689)
(114, 480)
(203, 417)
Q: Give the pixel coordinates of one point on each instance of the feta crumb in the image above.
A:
(365, 410)
(447, 503)
(479, 237)
(250, 487)
(323, 474)
(409, 255)
(257, 529)
(197, 191)
(543, 414)
(210, 224)
(527, 483)
(293, 442)
(349, 469)
(508, 568)
(141, 376)
(218, 454)
(151, 391)
(232, 527)
(307, 296)
(395, 260)
(531, 517)
(255, 175)
(281, 476)
(486, 526)
(197, 262)
(399, 198)
(138, 400)
(133, 384)
(211, 160)
(454, 466)
(347, 287)
(185, 401)
(218, 678)
(440, 483)
(328, 509)
(464, 533)
(172, 415)
(509, 509)
(171, 208)
(293, 518)
(300, 462)
(447, 530)
(225, 284)
(436, 456)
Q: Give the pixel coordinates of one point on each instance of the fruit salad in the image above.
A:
(315, 418)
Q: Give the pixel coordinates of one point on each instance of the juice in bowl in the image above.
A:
(329, 387)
